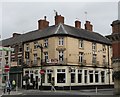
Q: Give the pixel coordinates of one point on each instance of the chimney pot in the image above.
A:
(77, 24)
(16, 34)
(88, 26)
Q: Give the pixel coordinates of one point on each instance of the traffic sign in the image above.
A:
(6, 68)
(42, 71)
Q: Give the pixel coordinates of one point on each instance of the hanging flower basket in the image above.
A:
(116, 74)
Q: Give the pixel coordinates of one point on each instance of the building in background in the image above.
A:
(5, 64)
(16, 57)
(115, 38)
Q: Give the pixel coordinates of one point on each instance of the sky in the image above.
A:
(22, 17)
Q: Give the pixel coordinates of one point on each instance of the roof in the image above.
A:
(60, 29)
(116, 22)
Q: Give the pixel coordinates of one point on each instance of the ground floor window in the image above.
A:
(31, 78)
(96, 76)
(85, 77)
(79, 76)
(112, 77)
(61, 77)
(91, 76)
(102, 76)
(49, 76)
(72, 77)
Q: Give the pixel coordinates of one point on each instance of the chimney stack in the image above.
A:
(88, 26)
(59, 19)
(115, 27)
(77, 24)
(16, 34)
(42, 24)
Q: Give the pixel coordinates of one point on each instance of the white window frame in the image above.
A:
(86, 76)
(102, 76)
(81, 57)
(97, 73)
(46, 56)
(61, 71)
(92, 72)
(81, 43)
(61, 41)
(35, 44)
(94, 58)
(46, 43)
(94, 46)
(80, 72)
(35, 57)
(49, 71)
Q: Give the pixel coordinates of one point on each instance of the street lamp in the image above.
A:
(41, 48)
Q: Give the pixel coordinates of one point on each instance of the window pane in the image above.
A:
(61, 78)
(102, 76)
(49, 77)
(79, 78)
(91, 78)
(72, 78)
(96, 78)
(85, 76)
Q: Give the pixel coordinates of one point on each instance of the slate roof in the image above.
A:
(60, 29)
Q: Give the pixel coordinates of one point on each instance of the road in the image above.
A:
(77, 93)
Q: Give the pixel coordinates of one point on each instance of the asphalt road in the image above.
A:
(38, 93)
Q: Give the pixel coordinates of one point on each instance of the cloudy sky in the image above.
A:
(22, 17)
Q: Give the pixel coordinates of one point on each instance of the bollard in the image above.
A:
(96, 90)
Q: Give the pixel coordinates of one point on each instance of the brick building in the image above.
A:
(71, 56)
(115, 38)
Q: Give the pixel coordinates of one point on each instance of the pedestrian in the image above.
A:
(4, 88)
(8, 86)
(13, 84)
(33, 83)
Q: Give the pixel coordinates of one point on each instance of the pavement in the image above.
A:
(19, 92)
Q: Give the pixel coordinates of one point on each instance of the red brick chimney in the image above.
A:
(16, 34)
(59, 19)
(115, 27)
(88, 26)
(42, 24)
(77, 24)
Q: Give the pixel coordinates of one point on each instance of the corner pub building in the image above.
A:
(71, 57)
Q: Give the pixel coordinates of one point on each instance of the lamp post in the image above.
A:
(41, 48)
